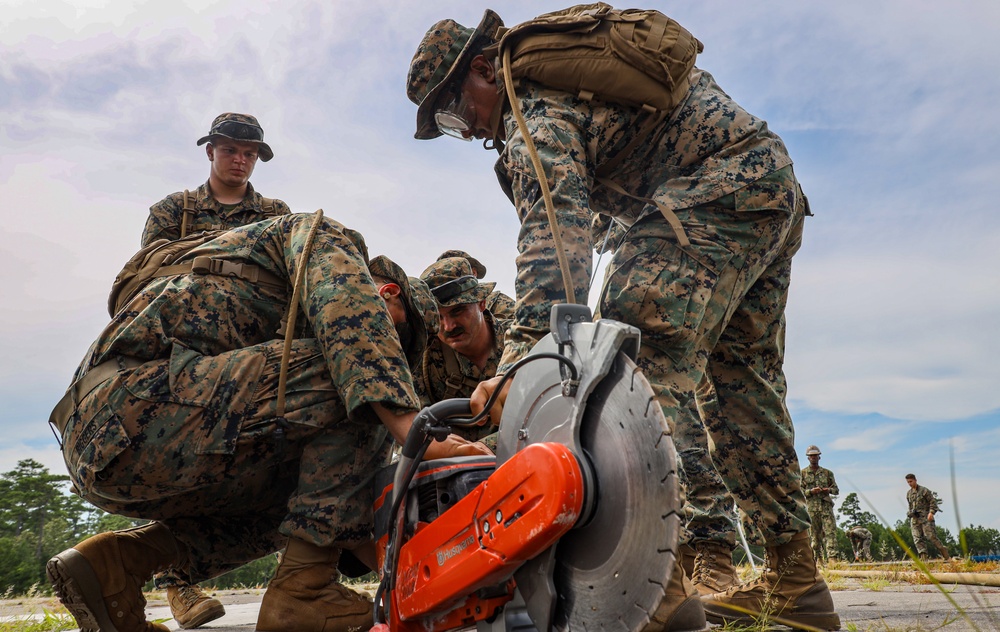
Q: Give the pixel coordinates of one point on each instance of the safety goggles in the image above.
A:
(447, 291)
(238, 131)
(455, 116)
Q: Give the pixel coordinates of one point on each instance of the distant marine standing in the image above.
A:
(820, 487)
(922, 506)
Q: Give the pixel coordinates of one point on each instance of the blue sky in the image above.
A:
(888, 110)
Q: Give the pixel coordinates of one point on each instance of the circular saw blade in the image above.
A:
(611, 572)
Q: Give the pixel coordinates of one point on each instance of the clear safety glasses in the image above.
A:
(456, 115)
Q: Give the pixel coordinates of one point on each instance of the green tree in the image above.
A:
(37, 520)
(981, 540)
(853, 516)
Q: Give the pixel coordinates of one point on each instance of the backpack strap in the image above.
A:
(300, 275)
(268, 206)
(454, 379)
(221, 267)
(670, 216)
(187, 212)
(543, 182)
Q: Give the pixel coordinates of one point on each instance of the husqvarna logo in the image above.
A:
(447, 554)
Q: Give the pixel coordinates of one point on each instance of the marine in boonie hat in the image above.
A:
(454, 280)
(443, 54)
(242, 128)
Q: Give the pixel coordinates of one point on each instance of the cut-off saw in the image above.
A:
(572, 526)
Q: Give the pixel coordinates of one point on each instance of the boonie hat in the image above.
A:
(443, 50)
(454, 280)
(239, 127)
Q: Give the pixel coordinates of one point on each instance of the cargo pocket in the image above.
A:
(100, 442)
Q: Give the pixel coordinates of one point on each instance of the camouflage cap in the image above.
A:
(442, 52)
(455, 280)
(240, 127)
(811, 450)
(421, 309)
(477, 267)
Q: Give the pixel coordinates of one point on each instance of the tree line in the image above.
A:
(977, 540)
(39, 518)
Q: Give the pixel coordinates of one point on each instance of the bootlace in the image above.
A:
(189, 594)
(703, 564)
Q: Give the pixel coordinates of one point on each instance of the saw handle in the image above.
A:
(431, 421)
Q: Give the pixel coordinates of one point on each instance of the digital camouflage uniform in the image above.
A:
(164, 221)
(711, 215)
(711, 314)
(824, 523)
(861, 543)
(190, 437)
(921, 503)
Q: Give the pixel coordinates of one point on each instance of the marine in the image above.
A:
(861, 543)
(233, 145)
(712, 215)
(820, 487)
(921, 509)
(181, 413)
(470, 342)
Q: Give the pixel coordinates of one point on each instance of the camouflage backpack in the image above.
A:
(633, 56)
(157, 260)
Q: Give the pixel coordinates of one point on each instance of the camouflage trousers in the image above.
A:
(823, 532)
(925, 532)
(209, 458)
(712, 322)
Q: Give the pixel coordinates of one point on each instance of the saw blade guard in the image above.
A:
(611, 570)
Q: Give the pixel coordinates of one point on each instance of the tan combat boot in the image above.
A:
(712, 567)
(191, 607)
(304, 595)
(100, 580)
(790, 591)
(687, 553)
(681, 609)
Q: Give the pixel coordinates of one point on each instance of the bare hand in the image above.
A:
(455, 445)
(483, 393)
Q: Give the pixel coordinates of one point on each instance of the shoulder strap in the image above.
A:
(187, 212)
(268, 206)
(453, 377)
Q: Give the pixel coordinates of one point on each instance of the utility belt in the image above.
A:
(82, 387)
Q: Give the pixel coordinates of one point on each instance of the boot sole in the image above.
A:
(212, 613)
(824, 621)
(79, 589)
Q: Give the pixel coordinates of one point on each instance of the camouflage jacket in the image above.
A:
(859, 534)
(207, 314)
(709, 147)
(820, 477)
(921, 502)
(165, 217)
